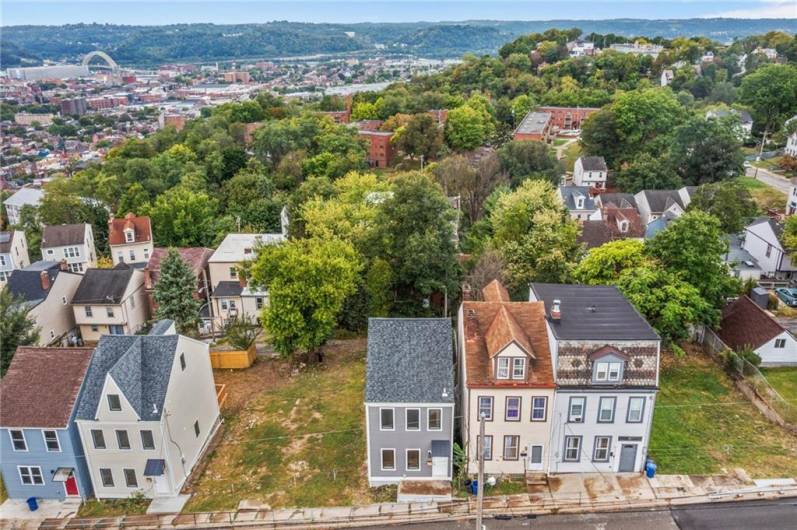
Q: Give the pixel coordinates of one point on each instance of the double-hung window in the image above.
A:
(31, 475)
(600, 452)
(606, 409)
(511, 447)
(147, 441)
(18, 441)
(636, 410)
(122, 439)
(576, 412)
(503, 368)
(413, 419)
(572, 448)
(486, 407)
(106, 476)
(130, 478)
(512, 409)
(539, 404)
(608, 371)
(388, 459)
(518, 368)
(109, 312)
(434, 419)
(413, 460)
(386, 422)
(51, 441)
(87, 310)
(98, 438)
(487, 446)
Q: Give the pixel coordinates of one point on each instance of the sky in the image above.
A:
(157, 12)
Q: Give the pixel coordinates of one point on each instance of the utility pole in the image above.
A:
(480, 484)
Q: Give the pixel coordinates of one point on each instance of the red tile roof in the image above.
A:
(505, 330)
(195, 257)
(495, 292)
(41, 386)
(745, 324)
(140, 225)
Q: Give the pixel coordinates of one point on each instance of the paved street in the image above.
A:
(770, 179)
(769, 515)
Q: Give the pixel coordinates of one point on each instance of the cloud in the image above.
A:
(767, 9)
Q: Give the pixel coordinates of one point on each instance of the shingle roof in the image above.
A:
(25, 196)
(569, 194)
(594, 234)
(103, 286)
(745, 324)
(495, 292)
(60, 235)
(593, 163)
(195, 257)
(593, 312)
(5, 242)
(142, 229)
(141, 367)
(239, 247)
(660, 200)
(41, 386)
(410, 360)
(227, 289)
(26, 283)
(621, 200)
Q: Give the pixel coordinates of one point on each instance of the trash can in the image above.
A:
(33, 505)
(650, 469)
(474, 487)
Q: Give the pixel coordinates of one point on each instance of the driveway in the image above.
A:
(773, 180)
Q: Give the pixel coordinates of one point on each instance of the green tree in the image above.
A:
(465, 128)
(647, 172)
(308, 281)
(134, 199)
(603, 265)
(16, 328)
(730, 202)
(175, 293)
(419, 137)
(364, 111)
(30, 223)
(523, 160)
(705, 151)
(771, 94)
(183, 218)
(693, 247)
(600, 137)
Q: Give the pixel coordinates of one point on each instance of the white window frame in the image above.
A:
(152, 437)
(640, 399)
(518, 362)
(407, 419)
(119, 434)
(31, 475)
(499, 369)
(109, 312)
(780, 343)
(110, 476)
(407, 460)
(429, 419)
(392, 419)
(130, 236)
(127, 478)
(601, 401)
(118, 398)
(568, 439)
(596, 448)
(94, 439)
(516, 447)
(608, 367)
(13, 443)
(57, 440)
(519, 408)
(89, 312)
(382, 459)
(534, 407)
(132, 254)
(479, 407)
(487, 455)
(570, 415)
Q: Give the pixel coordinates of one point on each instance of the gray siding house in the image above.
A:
(409, 400)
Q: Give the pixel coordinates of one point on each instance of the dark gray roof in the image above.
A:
(103, 286)
(534, 122)
(410, 360)
(660, 200)
(593, 163)
(26, 283)
(621, 200)
(141, 366)
(5, 242)
(593, 312)
(60, 235)
(161, 327)
(227, 289)
(569, 194)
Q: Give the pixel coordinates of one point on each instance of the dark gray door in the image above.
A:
(627, 458)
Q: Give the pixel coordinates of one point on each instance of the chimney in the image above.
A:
(242, 280)
(63, 265)
(556, 310)
(147, 278)
(467, 292)
(44, 277)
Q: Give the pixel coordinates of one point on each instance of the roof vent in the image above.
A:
(154, 408)
(592, 308)
(445, 392)
(556, 310)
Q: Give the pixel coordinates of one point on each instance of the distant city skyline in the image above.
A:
(160, 12)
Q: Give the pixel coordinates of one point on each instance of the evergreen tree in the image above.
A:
(174, 292)
(16, 328)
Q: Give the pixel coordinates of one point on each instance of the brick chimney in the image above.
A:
(44, 277)
(63, 265)
(242, 280)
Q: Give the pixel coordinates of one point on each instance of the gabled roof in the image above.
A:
(744, 324)
(503, 331)
(26, 283)
(593, 163)
(239, 247)
(410, 360)
(777, 228)
(570, 193)
(613, 217)
(495, 292)
(6, 239)
(227, 288)
(25, 196)
(593, 312)
(61, 235)
(621, 200)
(141, 227)
(594, 234)
(195, 257)
(660, 200)
(41, 386)
(103, 286)
(141, 366)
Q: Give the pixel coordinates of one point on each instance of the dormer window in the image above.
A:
(130, 235)
(518, 368)
(623, 226)
(608, 371)
(503, 368)
(114, 403)
(510, 368)
(580, 203)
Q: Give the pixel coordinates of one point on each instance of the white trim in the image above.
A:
(57, 440)
(405, 404)
(407, 419)
(382, 459)
(393, 414)
(428, 423)
(24, 440)
(368, 439)
(407, 459)
(29, 468)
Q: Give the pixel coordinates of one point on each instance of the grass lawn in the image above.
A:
(297, 442)
(3, 492)
(751, 184)
(703, 425)
(784, 380)
(571, 154)
(113, 507)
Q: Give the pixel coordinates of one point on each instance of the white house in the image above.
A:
(73, 243)
(666, 77)
(506, 377)
(746, 325)
(763, 240)
(590, 171)
(652, 204)
(147, 412)
(580, 203)
(24, 197)
(606, 366)
(13, 254)
(745, 120)
(791, 141)
(130, 239)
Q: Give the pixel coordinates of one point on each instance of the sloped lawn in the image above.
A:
(298, 443)
(703, 425)
(784, 381)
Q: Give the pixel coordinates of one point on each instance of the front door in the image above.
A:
(71, 486)
(535, 457)
(440, 466)
(627, 458)
(162, 485)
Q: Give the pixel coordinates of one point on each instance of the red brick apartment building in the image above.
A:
(567, 117)
(380, 150)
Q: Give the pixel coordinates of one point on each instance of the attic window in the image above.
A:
(114, 403)
(130, 235)
(247, 251)
(182, 361)
(623, 226)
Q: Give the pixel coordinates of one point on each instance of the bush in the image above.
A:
(241, 332)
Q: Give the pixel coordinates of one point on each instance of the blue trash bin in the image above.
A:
(650, 469)
(474, 487)
(33, 505)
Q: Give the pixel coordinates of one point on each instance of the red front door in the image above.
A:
(71, 486)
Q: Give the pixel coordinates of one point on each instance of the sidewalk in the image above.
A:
(564, 494)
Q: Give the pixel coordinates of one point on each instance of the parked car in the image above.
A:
(787, 295)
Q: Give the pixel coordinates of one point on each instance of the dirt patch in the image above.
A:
(629, 484)
(596, 487)
(243, 385)
(425, 487)
(554, 483)
(534, 489)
